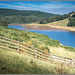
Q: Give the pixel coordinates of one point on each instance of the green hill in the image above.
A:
(23, 16)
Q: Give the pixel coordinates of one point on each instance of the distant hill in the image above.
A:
(23, 16)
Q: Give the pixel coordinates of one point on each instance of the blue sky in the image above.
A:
(56, 7)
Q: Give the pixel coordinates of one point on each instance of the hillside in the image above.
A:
(12, 62)
(62, 20)
(39, 41)
(23, 16)
(60, 23)
(57, 25)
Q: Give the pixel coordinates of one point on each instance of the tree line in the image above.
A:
(70, 16)
(23, 16)
(53, 19)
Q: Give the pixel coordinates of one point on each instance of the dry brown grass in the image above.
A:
(62, 52)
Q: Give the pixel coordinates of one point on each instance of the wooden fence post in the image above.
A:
(35, 53)
(51, 55)
(18, 46)
(72, 62)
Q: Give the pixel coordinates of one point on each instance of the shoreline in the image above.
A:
(31, 27)
(45, 27)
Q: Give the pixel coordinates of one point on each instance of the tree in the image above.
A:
(55, 18)
(71, 22)
(3, 22)
(43, 22)
(71, 19)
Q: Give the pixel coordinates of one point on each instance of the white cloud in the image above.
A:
(50, 7)
(42, 6)
(54, 5)
(17, 7)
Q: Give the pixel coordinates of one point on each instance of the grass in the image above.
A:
(14, 63)
(56, 23)
(31, 38)
(60, 23)
(62, 52)
(40, 41)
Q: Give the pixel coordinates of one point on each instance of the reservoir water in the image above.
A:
(65, 37)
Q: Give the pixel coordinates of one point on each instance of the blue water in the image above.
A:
(65, 37)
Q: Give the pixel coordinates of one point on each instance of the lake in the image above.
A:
(65, 37)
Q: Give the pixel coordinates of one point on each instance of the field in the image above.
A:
(14, 63)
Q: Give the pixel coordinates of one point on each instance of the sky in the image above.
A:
(56, 7)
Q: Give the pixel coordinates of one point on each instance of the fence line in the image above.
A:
(27, 49)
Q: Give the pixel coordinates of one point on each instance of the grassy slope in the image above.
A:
(30, 38)
(60, 23)
(38, 40)
(14, 63)
(62, 52)
(56, 23)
